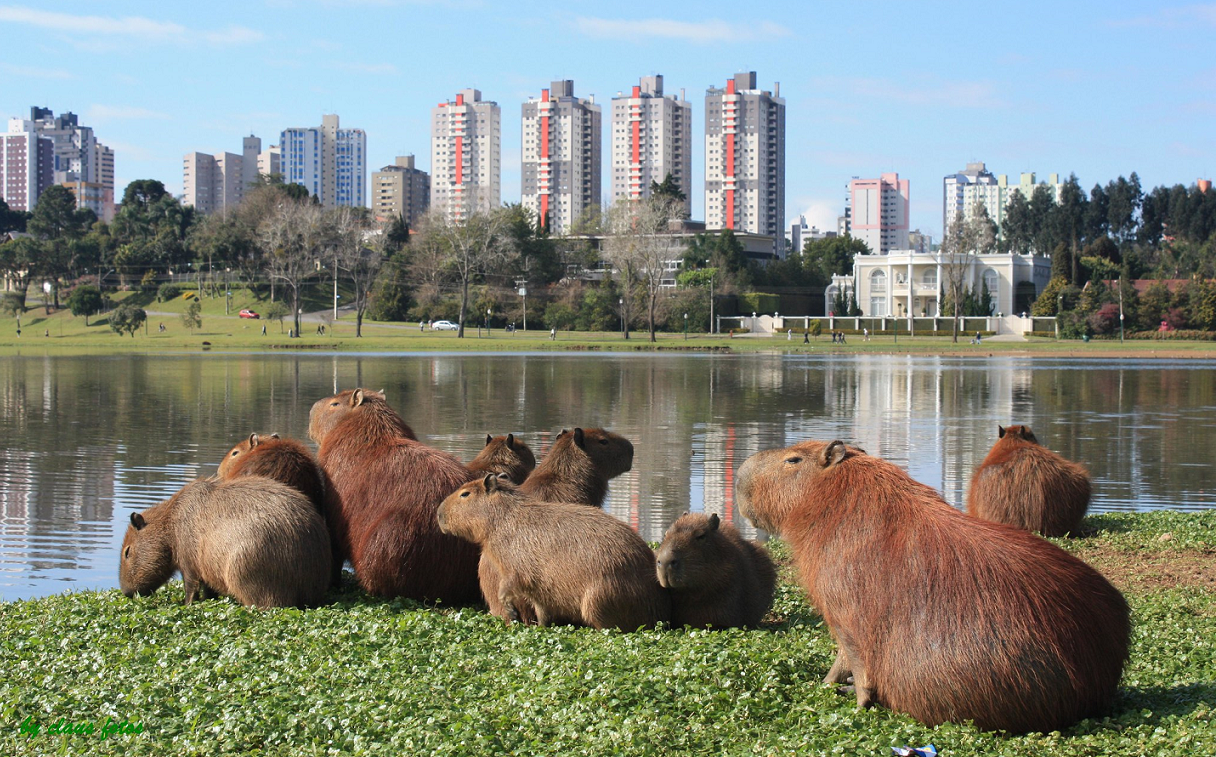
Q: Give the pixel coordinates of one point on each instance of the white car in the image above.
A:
(444, 326)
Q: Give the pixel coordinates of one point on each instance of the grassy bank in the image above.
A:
(365, 676)
(61, 332)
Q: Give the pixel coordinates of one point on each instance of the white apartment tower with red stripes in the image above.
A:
(562, 156)
(745, 159)
(466, 156)
(651, 138)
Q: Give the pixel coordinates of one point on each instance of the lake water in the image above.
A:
(85, 441)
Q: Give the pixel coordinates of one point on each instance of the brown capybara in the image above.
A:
(289, 462)
(937, 614)
(251, 538)
(576, 469)
(715, 577)
(1024, 484)
(388, 486)
(579, 465)
(504, 454)
(567, 561)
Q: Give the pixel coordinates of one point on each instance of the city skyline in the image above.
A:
(1098, 91)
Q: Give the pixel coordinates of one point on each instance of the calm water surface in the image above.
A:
(85, 441)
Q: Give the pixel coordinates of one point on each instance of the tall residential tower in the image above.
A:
(879, 210)
(330, 161)
(745, 159)
(651, 139)
(562, 156)
(466, 155)
(401, 190)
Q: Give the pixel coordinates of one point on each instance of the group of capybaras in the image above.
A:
(944, 615)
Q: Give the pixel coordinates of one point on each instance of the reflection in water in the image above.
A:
(88, 440)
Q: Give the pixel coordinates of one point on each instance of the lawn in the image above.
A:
(367, 676)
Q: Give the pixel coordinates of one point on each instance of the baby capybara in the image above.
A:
(504, 454)
(388, 486)
(569, 562)
(935, 613)
(579, 465)
(1024, 484)
(577, 469)
(714, 576)
(251, 538)
(289, 462)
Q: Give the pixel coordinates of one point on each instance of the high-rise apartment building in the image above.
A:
(466, 155)
(401, 190)
(879, 212)
(995, 196)
(651, 139)
(329, 161)
(74, 144)
(27, 165)
(562, 156)
(745, 159)
(270, 161)
(219, 182)
(103, 162)
(953, 186)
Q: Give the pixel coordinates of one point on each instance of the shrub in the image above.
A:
(1106, 320)
(168, 291)
(85, 300)
(127, 318)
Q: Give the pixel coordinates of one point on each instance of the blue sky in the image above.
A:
(1093, 88)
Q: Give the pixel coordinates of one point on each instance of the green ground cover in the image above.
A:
(61, 332)
(366, 676)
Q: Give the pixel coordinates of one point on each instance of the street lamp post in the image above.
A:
(227, 292)
(621, 303)
(1059, 309)
(488, 311)
(686, 327)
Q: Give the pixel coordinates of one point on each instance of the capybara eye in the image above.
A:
(234, 453)
(603, 441)
(793, 460)
(464, 494)
(333, 404)
(126, 553)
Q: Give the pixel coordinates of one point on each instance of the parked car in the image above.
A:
(444, 326)
(247, 313)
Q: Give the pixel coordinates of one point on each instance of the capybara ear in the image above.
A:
(489, 439)
(503, 477)
(834, 453)
(356, 399)
(580, 439)
(253, 440)
(137, 520)
(490, 482)
(713, 522)
(510, 441)
(275, 435)
(1000, 432)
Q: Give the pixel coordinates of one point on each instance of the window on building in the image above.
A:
(878, 282)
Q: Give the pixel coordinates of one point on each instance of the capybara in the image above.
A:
(567, 561)
(579, 465)
(714, 576)
(1024, 484)
(251, 538)
(504, 454)
(289, 462)
(937, 614)
(576, 469)
(388, 486)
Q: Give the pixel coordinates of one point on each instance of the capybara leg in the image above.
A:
(841, 670)
(191, 584)
(866, 695)
(489, 578)
(507, 597)
(543, 617)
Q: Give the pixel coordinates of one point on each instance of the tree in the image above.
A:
(143, 193)
(57, 224)
(834, 255)
(20, 260)
(670, 190)
(975, 234)
(192, 318)
(359, 260)
(467, 249)
(641, 248)
(1017, 230)
(276, 311)
(1123, 200)
(1154, 305)
(1043, 209)
(11, 220)
(85, 300)
(723, 251)
(127, 318)
(292, 238)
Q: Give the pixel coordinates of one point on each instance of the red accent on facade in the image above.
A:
(730, 86)
(460, 99)
(730, 175)
(459, 161)
(637, 90)
(637, 142)
(545, 173)
(729, 514)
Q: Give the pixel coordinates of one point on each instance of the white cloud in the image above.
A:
(134, 27)
(122, 113)
(698, 32)
(34, 72)
(820, 213)
(1186, 16)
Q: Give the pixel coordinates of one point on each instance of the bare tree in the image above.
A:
(466, 249)
(966, 238)
(359, 252)
(293, 237)
(640, 246)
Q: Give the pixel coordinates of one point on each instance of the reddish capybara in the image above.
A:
(1024, 484)
(579, 465)
(576, 469)
(714, 576)
(935, 613)
(289, 462)
(388, 486)
(569, 562)
(251, 538)
(504, 454)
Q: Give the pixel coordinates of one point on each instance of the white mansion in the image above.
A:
(906, 283)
